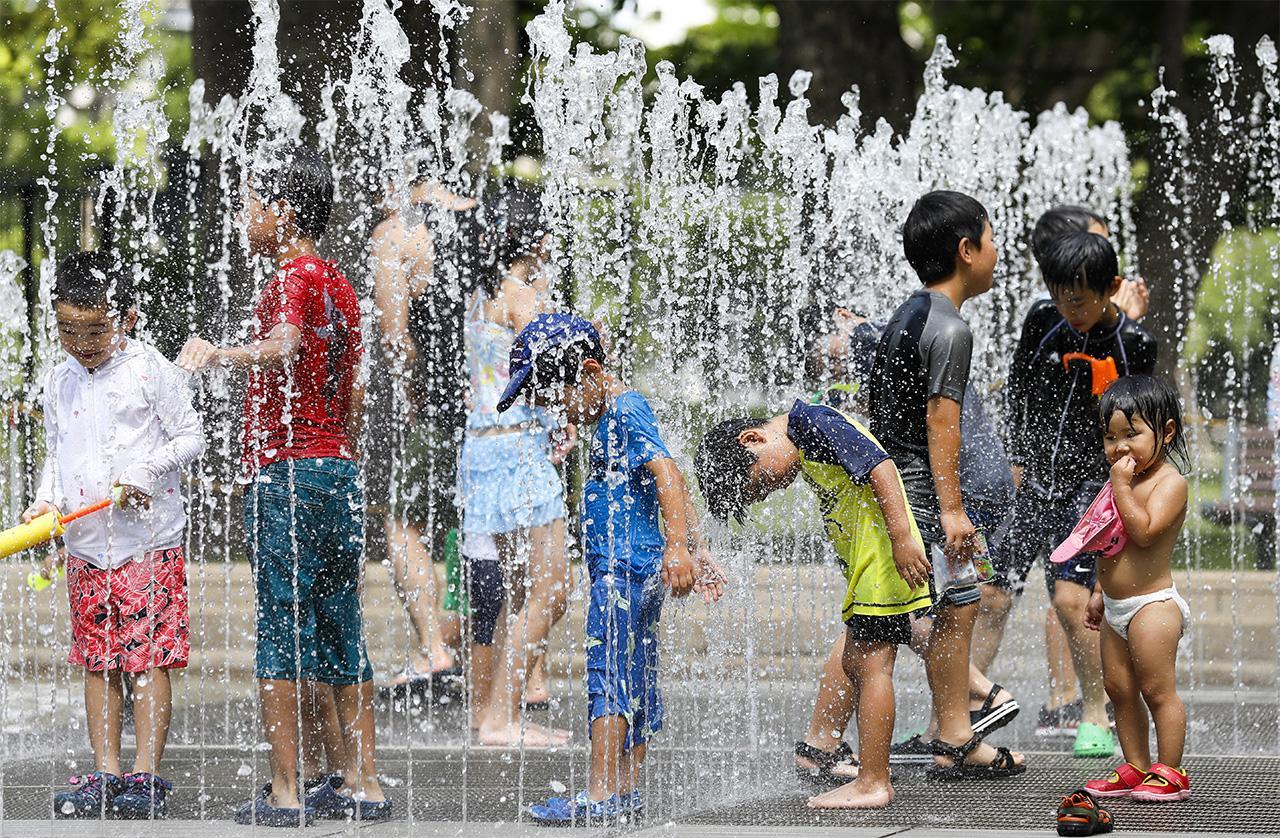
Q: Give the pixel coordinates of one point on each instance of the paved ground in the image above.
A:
(452, 790)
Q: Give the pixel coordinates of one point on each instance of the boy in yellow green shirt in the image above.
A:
(863, 504)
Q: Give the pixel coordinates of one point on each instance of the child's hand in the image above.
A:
(197, 354)
(37, 509)
(1133, 298)
(677, 569)
(913, 564)
(710, 579)
(961, 536)
(133, 496)
(1122, 471)
(562, 442)
(1093, 612)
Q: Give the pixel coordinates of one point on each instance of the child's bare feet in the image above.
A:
(532, 736)
(860, 794)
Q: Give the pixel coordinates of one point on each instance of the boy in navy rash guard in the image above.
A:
(632, 479)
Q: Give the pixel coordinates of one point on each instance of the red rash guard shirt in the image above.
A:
(299, 411)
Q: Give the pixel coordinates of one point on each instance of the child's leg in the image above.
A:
(947, 668)
(323, 748)
(1062, 675)
(833, 708)
(1121, 681)
(278, 699)
(993, 616)
(415, 582)
(537, 690)
(486, 595)
(545, 587)
(104, 715)
(355, 713)
(608, 762)
(632, 763)
(1153, 646)
(152, 711)
(869, 666)
(1069, 602)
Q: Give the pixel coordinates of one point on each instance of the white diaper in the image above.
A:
(1120, 612)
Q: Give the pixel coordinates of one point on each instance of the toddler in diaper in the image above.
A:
(1133, 526)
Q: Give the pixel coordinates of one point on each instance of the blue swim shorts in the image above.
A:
(304, 529)
(622, 652)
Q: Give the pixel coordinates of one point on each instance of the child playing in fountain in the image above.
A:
(864, 505)
(304, 506)
(558, 362)
(118, 418)
(1132, 528)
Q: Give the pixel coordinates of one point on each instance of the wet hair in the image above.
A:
(302, 180)
(557, 366)
(1080, 260)
(816, 320)
(1155, 400)
(936, 224)
(1061, 221)
(722, 464)
(514, 217)
(94, 280)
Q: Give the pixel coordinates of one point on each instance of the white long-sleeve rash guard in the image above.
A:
(129, 421)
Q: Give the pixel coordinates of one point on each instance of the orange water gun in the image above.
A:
(1103, 370)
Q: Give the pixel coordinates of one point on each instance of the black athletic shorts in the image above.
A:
(892, 628)
(1034, 528)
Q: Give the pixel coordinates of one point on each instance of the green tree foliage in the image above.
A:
(1234, 324)
(88, 33)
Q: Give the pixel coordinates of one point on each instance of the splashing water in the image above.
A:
(695, 230)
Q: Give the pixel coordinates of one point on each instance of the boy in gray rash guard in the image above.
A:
(919, 378)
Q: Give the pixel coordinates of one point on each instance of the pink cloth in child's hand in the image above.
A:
(1100, 530)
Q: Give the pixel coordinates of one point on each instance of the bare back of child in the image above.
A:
(1135, 604)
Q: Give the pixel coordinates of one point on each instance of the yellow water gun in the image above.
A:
(48, 526)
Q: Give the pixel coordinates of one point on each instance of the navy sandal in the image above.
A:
(999, 768)
(823, 762)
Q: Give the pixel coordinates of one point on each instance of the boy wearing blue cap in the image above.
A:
(558, 362)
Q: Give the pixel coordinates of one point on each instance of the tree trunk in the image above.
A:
(221, 46)
(490, 50)
(847, 43)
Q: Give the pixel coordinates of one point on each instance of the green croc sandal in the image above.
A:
(1094, 741)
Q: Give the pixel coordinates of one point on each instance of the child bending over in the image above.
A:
(742, 461)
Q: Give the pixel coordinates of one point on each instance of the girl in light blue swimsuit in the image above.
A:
(508, 485)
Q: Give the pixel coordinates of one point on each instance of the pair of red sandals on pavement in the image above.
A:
(1079, 813)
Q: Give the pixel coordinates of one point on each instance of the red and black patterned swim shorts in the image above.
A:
(132, 618)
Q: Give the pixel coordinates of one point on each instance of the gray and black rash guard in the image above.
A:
(924, 352)
(1055, 432)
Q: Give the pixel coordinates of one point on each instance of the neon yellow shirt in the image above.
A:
(837, 455)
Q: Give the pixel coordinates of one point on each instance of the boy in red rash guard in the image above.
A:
(304, 506)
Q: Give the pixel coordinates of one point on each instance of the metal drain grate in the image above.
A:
(1231, 794)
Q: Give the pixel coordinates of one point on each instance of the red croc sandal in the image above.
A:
(1080, 814)
(1120, 784)
(1163, 785)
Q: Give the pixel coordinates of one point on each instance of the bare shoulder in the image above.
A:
(1169, 482)
(387, 233)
